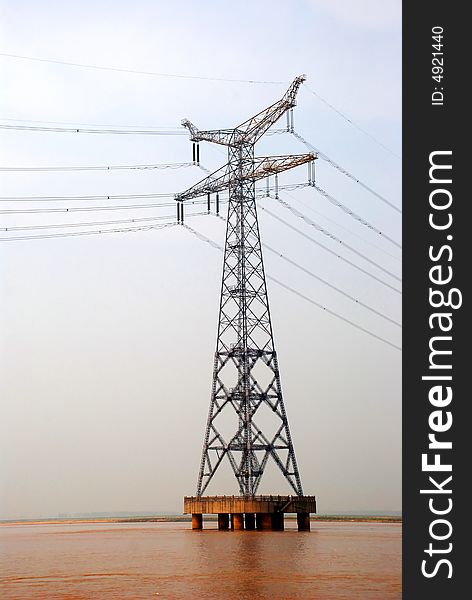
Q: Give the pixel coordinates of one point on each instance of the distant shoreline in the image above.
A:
(187, 519)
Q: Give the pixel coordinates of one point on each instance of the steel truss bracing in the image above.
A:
(246, 382)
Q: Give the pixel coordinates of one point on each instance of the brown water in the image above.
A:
(169, 561)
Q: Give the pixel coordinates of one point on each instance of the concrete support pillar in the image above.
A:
(231, 519)
(264, 521)
(277, 521)
(238, 520)
(303, 521)
(223, 521)
(250, 520)
(197, 521)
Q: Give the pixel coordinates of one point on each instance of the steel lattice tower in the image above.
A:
(245, 350)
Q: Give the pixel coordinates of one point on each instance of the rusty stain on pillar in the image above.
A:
(223, 521)
(197, 521)
(303, 521)
(278, 521)
(250, 521)
(238, 520)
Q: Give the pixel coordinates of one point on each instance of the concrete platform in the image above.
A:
(260, 512)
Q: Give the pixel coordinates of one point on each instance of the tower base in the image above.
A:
(262, 512)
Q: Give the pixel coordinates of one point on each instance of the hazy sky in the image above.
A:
(107, 341)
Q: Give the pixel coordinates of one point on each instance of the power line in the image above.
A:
(354, 215)
(100, 125)
(124, 70)
(71, 209)
(81, 198)
(103, 167)
(309, 206)
(334, 314)
(318, 227)
(85, 130)
(346, 118)
(94, 223)
(344, 171)
(299, 294)
(333, 287)
(346, 260)
(90, 232)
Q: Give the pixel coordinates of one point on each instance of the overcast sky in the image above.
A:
(107, 340)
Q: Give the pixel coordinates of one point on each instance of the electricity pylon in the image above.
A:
(246, 372)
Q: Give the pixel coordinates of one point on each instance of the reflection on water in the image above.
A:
(335, 561)
(252, 564)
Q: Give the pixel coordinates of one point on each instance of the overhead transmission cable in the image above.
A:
(299, 294)
(183, 165)
(75, 124)
(71, 209)
(94, 223)
(89, 130)
(327, 233)
(344, 171)
(330, 285)
(135, 71)
(88, 232)
(82, 198)
(344, 259)
(310, 207)
(348, 120)
(354, 215)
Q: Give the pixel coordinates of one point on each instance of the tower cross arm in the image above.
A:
(256, 126)
(225, 137)
(260, 168)
(265, 166)
(215, 182)
(252, 129)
